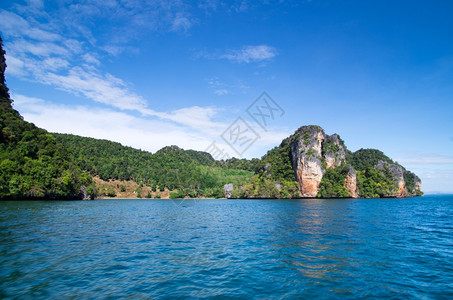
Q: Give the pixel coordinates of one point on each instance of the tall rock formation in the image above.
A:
(350, 183)
(312, 153)
(306, 156)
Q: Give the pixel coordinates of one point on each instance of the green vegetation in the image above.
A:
(373, 183)
(368, 158)
(328, 146)
(332, 183)
(261, 187)
(276, 164)
(409, 179)
(190, 173)
(306, 138)
(274, 176)
(33, 165)
(236, 163)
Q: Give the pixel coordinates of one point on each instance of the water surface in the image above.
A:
(328, 249)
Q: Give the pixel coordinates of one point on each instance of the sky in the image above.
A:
(234, 78)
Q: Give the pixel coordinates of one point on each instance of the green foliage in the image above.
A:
(311, 153)
(328, 146)
(261, 187)
(306, 138)
(241, 164)
(276, 164)
(110, 192)
(368, 158)
(410, 179)
(191, 172)
(177, 194)
(374, 183)
(332, 183)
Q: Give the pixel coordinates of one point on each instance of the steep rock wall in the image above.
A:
(306, 155)
(334, 151)
(350, 183)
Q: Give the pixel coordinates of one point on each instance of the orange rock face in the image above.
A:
(309, 177)
(350, 184)
(401, 190)
(306, 154)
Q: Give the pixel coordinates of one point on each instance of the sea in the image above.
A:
(227, 249)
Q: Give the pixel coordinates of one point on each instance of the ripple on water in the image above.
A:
(397, 248)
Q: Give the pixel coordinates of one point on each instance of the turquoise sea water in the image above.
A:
(254, 249)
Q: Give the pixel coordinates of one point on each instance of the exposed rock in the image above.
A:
(418, 184)
(228, 189)
(334, 151)
(84, 195)
(306, 155)
(351, 183)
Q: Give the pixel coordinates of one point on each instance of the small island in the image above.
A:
(36, 164)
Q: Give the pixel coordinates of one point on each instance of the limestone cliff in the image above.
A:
(306, 155)
(350, 183)
(314, 154)
(334, 151)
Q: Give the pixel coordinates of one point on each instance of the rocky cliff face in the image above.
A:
(313, 152)
(334, 151)
(350, 183)
(306, 153)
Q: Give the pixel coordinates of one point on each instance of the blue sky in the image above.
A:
(155, 73)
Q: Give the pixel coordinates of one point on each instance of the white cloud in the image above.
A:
(181, 23)
(19, 27)
(42, 49)
(221, 92)
(89, 58)
(422, 159)
(248, 54)
(105, 89)
(219, 88)
(15, 66)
